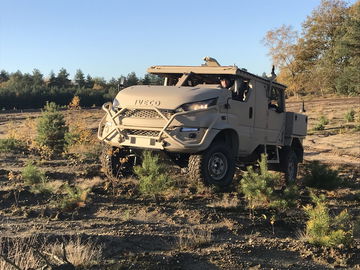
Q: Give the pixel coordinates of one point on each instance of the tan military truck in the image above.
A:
(208, 118)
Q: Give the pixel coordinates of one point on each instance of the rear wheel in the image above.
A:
(117, 162)
(289, 165)
(214, 166)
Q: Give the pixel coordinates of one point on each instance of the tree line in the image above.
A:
(325, 57)
(32, 90)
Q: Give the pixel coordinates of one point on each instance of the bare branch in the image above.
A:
(55, 257)
(64, 253)
(43, 257)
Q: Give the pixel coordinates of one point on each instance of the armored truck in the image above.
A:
(209, 119)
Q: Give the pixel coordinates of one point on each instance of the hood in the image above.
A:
(164, 97)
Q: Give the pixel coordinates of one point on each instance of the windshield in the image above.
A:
(192, 79)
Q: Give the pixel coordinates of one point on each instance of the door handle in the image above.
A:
(250, 112)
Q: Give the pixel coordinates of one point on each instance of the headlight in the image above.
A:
(115, 103)
(199, 105)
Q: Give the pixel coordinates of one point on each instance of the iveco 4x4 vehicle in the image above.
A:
(201, 125)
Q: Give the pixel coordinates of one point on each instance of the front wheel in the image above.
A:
(117, 162)
(215, 166)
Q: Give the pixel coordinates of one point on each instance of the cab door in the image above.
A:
(241, 115)
(276, 116)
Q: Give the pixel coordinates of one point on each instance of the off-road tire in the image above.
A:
(115, 162)
(214, 166)
(289, 165)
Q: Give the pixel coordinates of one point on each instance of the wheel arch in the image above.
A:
(228, 136)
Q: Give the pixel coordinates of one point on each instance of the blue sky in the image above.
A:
(109, 38)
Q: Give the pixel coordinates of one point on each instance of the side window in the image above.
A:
(242, 90)
(276, 101)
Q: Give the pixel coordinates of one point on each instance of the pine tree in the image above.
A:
(79, 78)
(51, 130)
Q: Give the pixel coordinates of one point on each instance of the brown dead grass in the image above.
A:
(79, 252)
(20, 253)
(228, 201)
(193, 238)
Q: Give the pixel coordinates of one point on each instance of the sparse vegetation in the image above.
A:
(153, 178)
(27, 254)
(194, 238)
(51, 131)
(35, 179)
(12, 145)
(20, 253)
(322, 122)
(227, 202)
(259, 188)
(350, 116)
(81, 142)
(32, 175)
(325, 230)
(74, 197)
(186, 226)
(80, 253)
(319, 175)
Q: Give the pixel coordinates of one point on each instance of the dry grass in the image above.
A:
(79, 252)
(148, 216)
(192, 238)
(89, 183)
(20, 253)
(228, 201)
(26, 131)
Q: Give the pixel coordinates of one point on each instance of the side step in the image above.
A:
(272, 152)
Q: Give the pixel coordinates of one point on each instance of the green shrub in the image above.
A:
(322, 122)
(319, 175)
(75, 197)
(324, 230)
(11, 145)
(152, 175)
(350, 116)
(287, 199)
(51, 131)
(35, 179)
(319, 126)
(259, 188)
(32, 175)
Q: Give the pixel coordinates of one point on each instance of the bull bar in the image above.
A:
(116, 128)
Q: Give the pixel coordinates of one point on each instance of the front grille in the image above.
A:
(150, 114)
(139, 132)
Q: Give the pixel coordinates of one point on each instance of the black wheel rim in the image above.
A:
(218, 166)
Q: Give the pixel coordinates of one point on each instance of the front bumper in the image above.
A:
(165, 132)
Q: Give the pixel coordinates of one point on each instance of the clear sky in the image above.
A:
(111, 38)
